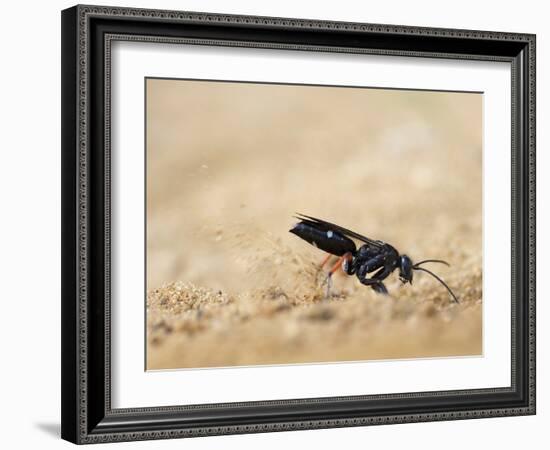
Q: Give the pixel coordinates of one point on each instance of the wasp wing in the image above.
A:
(327, 226)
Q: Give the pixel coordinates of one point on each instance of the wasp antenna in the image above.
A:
(432, 260)
(441, 281)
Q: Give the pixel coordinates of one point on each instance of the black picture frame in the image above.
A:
(87, 415)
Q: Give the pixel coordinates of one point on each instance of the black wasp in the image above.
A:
(372, 256)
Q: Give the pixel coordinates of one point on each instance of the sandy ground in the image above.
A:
(227, 166)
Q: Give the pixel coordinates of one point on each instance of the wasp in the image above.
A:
(373, 256)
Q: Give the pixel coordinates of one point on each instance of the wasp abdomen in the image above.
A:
(329, 241)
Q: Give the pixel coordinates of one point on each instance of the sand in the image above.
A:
(229, 164)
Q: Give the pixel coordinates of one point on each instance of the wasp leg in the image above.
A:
(380, 288)
(349, 266)
(344, 259)
(326, 260)
(343, 263)
(375, 282)
(328, 281)
(370, 265)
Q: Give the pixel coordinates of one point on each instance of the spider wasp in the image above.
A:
(373, 256)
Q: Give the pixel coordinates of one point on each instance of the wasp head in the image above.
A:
(405, 269)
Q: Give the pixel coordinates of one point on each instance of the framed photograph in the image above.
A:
(278, 224)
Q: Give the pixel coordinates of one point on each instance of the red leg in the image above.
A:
(338, 264)
(325, 261)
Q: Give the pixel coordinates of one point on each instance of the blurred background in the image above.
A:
(229, 163)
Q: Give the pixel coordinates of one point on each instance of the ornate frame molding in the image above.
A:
(83, 421)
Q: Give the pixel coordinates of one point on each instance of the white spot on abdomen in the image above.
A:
(329, 234)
